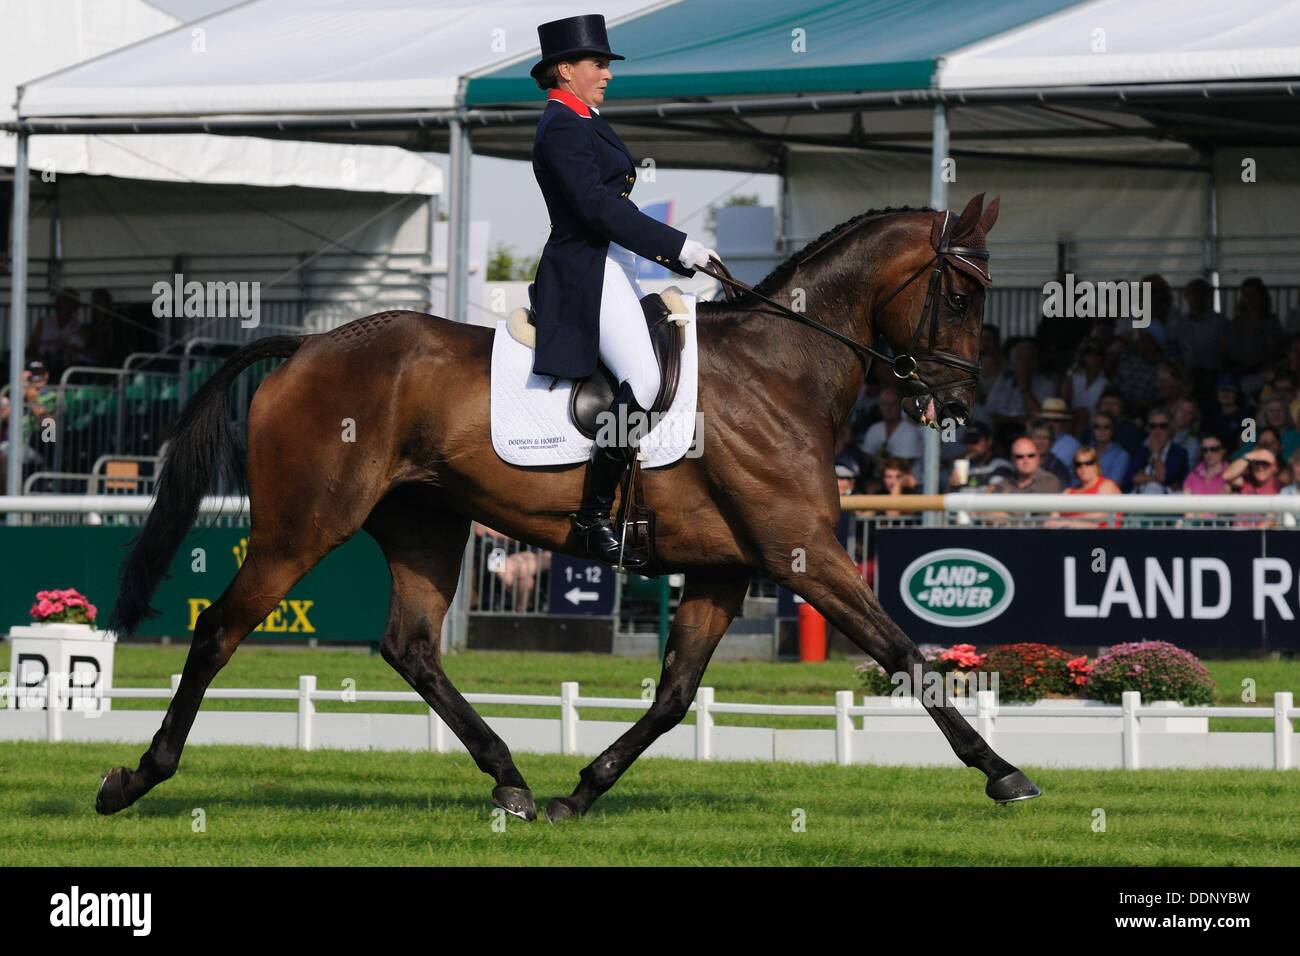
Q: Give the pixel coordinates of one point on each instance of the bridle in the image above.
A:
(906, 364)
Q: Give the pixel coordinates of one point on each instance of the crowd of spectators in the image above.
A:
(98, 335)
(1191, 403)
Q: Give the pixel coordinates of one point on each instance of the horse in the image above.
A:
(382, 425)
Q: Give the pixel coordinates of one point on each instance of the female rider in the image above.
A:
(586, 300)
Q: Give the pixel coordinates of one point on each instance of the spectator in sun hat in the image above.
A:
(1059, 419)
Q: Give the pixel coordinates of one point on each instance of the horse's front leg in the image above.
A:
(831, 584)
(709, 602)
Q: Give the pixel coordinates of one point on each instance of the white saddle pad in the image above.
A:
(530, 420)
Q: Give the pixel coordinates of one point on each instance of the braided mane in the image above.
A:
(778, 276)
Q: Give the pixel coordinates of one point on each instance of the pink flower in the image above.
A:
(963, 655)
(91, 611)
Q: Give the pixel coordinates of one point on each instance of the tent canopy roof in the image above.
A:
(304, 56)
(1119, 41)
(1022, 75)
(724, 48)
(63, 33)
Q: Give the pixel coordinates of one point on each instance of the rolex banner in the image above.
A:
(344, 598)
(1233, 589)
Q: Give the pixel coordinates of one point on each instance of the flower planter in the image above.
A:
(79, 655)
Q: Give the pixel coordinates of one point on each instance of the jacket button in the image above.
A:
(622, 195)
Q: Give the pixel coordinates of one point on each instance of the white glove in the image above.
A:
(695, 255)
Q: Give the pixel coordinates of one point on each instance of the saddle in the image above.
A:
(665, 315)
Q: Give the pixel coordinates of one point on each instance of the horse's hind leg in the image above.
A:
(832, 585)
(264, 578)
(424, 549)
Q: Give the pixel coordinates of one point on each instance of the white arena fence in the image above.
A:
(888, 731)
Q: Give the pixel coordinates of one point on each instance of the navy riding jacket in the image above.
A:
(586, 175)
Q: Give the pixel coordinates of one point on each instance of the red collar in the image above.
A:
(571, 101)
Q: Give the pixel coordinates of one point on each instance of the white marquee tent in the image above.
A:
(1090, 136)
(115, 209)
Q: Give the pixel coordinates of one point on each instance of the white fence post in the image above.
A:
(986, 708)
(1283, 701)
(843, 728)
(704, 724)
(306, 709)
(53, 710)
(569, 717)
(1130, 700)
(437, 733)
(176, 684)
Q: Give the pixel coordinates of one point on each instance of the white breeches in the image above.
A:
(624, 339)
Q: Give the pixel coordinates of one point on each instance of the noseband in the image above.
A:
(906, 364)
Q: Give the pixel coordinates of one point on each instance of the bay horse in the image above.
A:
(420, 467)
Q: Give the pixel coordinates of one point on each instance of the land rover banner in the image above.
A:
(1198, 589)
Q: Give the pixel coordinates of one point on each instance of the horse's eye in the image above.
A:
(958, 301)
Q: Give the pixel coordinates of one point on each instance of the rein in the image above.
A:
(906, 364)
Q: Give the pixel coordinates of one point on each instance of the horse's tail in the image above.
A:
(201, 442)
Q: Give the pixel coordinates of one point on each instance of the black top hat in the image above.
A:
(564, 39)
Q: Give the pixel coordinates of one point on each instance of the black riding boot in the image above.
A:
(608, 463)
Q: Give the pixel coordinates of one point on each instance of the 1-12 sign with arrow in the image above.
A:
(581, 587)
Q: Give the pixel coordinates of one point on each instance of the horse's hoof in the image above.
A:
(561, 808)
(1012, 787)
(515, 800)
(111, 796)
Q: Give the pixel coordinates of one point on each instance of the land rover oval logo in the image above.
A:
(957, 587)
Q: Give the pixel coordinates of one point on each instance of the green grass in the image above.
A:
(269, 807)
(599, 676)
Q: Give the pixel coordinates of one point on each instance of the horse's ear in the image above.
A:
(969, 216)
(990, 215)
